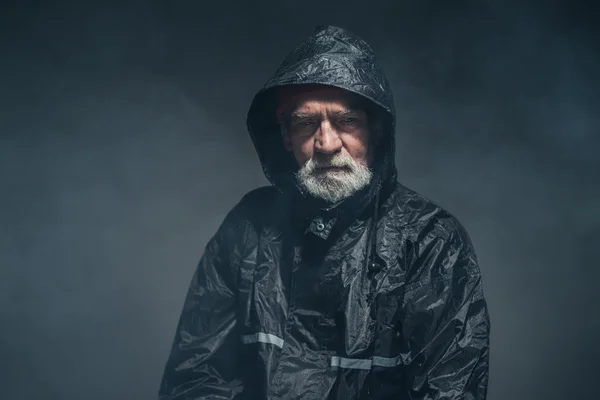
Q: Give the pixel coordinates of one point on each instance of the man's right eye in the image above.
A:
(304, 123)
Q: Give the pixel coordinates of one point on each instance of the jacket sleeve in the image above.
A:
(448, 322)
(202, 362)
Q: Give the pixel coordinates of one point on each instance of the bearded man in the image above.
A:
(335, 282)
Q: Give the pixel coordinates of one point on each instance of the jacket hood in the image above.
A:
(330, 56)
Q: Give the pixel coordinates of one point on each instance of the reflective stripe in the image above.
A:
(263, 338)
(336, 361)
(367, 364)
(352, 363)
(386, 361)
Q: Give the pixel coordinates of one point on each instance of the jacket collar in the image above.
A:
(320, 218)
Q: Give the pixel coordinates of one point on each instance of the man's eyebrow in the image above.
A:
(346, 111)
(302, 115)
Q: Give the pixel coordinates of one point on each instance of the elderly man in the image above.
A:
(335, 282)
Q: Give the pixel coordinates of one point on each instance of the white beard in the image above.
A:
(333, 186)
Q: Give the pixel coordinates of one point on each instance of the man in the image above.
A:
(336, 282)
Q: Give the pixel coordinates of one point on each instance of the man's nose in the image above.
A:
(327, 139)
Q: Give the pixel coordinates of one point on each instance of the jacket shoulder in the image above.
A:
(440, 246)
(253, 205)
(247, 215)
(422, 217)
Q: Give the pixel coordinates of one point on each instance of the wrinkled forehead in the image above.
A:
(330, 102)
(331, 105)
(292, 96)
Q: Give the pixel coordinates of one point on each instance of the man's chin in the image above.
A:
(330, 189)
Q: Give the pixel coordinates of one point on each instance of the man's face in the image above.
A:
(328, 134)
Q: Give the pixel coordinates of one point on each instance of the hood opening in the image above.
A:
(330, 56)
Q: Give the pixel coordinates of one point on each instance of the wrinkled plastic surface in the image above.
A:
(289, 301)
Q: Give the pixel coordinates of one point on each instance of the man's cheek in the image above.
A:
(306, 150)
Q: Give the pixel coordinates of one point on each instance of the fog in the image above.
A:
(123, 145)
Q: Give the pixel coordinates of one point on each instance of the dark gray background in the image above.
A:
(124, 145)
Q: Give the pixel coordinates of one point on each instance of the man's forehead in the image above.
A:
(340, 102)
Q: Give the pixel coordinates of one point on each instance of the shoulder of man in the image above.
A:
(245, 218)
(432, 230)
(259, 198)
(417, 214)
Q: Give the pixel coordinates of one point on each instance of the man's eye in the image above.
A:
(305, 123)
(349, 120)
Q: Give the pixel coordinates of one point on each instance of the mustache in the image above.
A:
(338, 160)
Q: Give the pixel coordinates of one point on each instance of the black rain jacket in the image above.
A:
(378, 297)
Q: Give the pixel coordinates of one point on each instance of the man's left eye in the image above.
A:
(349, 120)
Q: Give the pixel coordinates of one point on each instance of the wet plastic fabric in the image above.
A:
(379, 297)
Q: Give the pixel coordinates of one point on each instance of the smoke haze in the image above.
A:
(123, 145)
